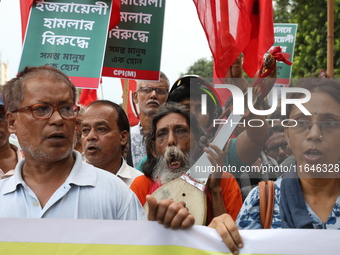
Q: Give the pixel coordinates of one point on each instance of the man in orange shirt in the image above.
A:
(174, 137)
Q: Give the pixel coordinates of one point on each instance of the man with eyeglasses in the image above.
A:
(149, 96)
(53, 181)
(9, 153)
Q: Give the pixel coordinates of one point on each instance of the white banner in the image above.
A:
(59, 236)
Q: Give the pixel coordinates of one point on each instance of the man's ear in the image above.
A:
(11, 122)
(124, 137)
(135, 97)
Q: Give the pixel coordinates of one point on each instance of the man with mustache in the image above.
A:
(9, 153)
(53, 181)
(149, 96)
(105, 131)
(172, 146)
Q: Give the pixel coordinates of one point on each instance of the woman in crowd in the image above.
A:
(308, 195)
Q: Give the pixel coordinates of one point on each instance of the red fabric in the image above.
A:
(115, 14)
(231, 193)
(279, 56)
(227, 27)
(25, 6)
(131, 108)
(262, 34)
(87, 96)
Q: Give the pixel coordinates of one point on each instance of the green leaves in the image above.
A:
(310, 54)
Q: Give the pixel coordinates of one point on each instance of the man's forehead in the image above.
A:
(99, 114)
(94, 121)
(45, 90)
(172, 119)
(160, 83)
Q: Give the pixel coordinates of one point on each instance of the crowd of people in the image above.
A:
(72, 159)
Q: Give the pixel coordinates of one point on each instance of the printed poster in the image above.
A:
(133, 49)
(69, 35)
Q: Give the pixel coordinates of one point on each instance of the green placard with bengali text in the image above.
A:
(69, 35)
(133, 49)
(285, 36)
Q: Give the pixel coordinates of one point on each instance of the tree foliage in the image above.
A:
(202, 67)
(310, 54)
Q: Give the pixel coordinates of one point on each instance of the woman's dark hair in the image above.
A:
(328, 86)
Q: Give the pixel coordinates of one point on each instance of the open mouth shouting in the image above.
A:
(313, 155)
(91, 149)
(175, 163)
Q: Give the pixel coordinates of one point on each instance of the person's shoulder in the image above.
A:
(100, 174)
(133, 170)
(7, 184)
(228, 179)
(142, 179)
(289, 161)
(135, 129)
(140, 182)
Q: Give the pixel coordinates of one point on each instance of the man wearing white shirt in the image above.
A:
(105, 134)
(149, 96)
(52, 181)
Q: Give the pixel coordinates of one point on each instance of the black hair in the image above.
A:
(328, 86)
(121, 119)
(164, 110)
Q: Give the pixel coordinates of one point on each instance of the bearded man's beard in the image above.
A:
(171, 165)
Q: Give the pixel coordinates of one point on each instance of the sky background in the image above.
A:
(184, 42)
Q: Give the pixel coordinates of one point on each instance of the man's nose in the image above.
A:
(172, 139)
(92, 135)
(314, 132)
(153, 94)
(56, 118)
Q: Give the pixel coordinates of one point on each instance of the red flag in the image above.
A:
(115, 14)
(262, 34)
(25, 6)
(87, 96)
(132, 111)
(227, 27)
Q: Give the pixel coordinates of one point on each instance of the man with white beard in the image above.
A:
(174, 131)
(163, 173)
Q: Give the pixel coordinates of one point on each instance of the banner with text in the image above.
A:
(69, 35)
(285, 37)
(133, 49)
(65, 236)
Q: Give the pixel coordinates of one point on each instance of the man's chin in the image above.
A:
(150, 111)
